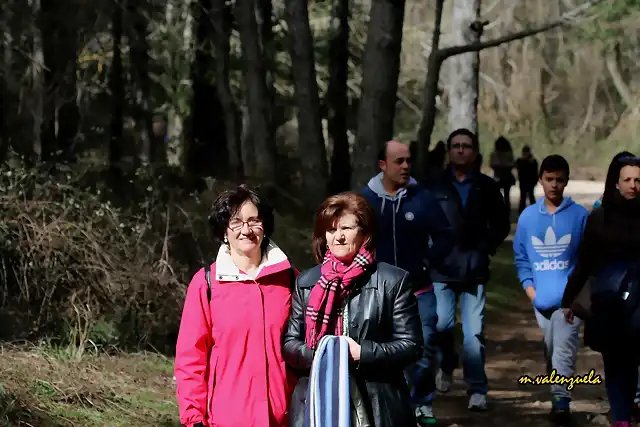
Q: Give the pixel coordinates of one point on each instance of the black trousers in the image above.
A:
(526, 193)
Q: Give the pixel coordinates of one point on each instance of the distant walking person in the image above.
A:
(502, 163)
(546, 248)
(437, 157)
(409, 217)
(476, 211)
(527, 168)
(610, 255)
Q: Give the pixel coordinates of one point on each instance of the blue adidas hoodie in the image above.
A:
(413, 231)
(546, 249)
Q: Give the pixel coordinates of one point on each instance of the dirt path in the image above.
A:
(514, 348)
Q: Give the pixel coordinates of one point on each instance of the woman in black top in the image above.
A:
(527, 167)
(502, 163)
(610, 254)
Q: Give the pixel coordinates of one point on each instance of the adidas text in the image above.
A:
(547, 265)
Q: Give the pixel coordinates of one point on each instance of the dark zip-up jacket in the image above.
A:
(413, 232)
(480, 226)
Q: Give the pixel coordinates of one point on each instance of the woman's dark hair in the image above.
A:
(620, 160)
(229, 203)
(334, 207)
(465, 132)
(502, 144)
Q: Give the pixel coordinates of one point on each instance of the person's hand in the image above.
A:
(354, 349)
(531, 293)
(568, 314)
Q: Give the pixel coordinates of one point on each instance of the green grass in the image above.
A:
(41, 387)
(504, 292)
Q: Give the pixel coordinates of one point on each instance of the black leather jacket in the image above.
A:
(384, 320)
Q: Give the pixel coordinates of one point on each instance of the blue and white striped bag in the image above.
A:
(328, 394)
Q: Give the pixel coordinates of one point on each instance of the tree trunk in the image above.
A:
(338, 97)
(61, 116)
(612, 61)
(312, 150)
(429, 110)
(222, 17)
(32, 150)
(264, 20)
(462, 82)
(209, 143)
(169, 128)
(247, 146)
(117, 89)
(5, 96)
(258, 101)
(139, 56)
(381, 67)
(68, 111)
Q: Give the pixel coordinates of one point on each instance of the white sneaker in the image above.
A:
(424, 416)
(443, 381)
(478, 402)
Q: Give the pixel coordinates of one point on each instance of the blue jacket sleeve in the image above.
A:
(439, 229)
(521, 258)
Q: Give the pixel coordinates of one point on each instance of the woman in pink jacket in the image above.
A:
(229, 367)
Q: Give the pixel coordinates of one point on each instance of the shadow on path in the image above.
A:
(514, 348)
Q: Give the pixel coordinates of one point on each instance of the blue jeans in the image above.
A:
(621, 381)
(472, 301)
(421, 376)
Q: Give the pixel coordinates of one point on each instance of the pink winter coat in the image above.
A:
(229, 367)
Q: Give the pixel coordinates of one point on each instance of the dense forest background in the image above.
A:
(120, 120)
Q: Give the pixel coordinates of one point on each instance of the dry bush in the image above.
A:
(74, 264)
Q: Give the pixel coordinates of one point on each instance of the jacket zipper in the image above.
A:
(395, 252)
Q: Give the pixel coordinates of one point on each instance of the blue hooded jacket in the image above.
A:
(546, 249)
(413, 231)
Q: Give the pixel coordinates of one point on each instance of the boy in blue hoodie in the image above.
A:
(546, 249)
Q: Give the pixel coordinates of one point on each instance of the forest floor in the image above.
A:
(43, 387)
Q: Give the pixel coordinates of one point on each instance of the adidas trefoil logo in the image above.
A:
(551, 248)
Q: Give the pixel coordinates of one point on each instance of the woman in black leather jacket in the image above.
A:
(610, 255)
(383, 323)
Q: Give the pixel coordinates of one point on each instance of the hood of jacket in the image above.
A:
(375, 184)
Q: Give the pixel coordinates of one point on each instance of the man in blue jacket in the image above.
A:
(546, 249)
(475, 208)
(413, 234)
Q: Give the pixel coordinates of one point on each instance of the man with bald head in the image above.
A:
(413, 234)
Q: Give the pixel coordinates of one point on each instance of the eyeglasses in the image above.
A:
(237, 224)
(458, 146)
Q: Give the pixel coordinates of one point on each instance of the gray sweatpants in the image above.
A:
(561, 344)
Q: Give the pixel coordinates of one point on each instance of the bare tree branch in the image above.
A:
(564, 19)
